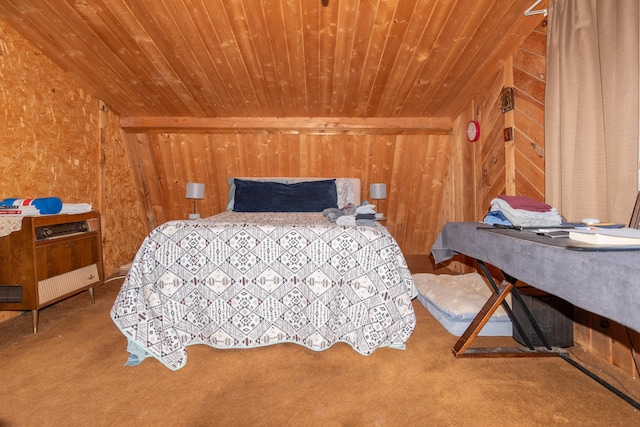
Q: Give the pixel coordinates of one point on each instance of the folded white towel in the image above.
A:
(74, 208)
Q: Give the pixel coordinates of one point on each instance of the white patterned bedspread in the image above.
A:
(241, 280)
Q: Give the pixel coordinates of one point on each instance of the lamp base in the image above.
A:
(379, 215)
(194, 216)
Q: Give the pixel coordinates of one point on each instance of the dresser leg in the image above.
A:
(34, 315)
(93, 298)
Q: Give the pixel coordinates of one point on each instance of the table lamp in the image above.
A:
(195, 191)
(377, 192)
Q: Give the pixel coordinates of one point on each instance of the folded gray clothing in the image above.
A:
(366, 222)
(366, 209)
(333, 214)
(366, 216)
(351, 215)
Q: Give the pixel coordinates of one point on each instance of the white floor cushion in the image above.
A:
(454, 300)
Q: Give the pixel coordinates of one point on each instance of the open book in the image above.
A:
(602, 236)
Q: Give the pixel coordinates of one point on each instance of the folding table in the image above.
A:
(602, 280)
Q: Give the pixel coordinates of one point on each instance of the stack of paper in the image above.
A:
(607, 236)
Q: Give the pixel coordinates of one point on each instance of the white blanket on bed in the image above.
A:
(241, 280)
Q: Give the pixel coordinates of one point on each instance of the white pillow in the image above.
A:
(461, 296)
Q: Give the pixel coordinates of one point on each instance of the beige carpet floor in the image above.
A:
(72, 373)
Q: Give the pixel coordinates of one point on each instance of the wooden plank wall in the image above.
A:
(477, 170)
(413, 166)
(491, 166)
(491, 173)
(528, 76)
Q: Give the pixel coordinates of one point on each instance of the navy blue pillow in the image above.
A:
(309, 196)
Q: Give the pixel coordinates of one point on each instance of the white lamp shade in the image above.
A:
(195, 190)
(378, 191)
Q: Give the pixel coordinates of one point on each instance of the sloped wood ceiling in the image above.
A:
(276, 58)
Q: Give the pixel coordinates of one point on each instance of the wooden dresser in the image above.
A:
(49, 259)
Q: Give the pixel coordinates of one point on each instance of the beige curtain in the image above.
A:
(591, 108)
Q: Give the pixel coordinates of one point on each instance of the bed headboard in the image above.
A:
(348, 188)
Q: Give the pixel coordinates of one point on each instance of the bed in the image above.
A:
(262, 277)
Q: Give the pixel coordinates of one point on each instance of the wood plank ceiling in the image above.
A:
(276, 58)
